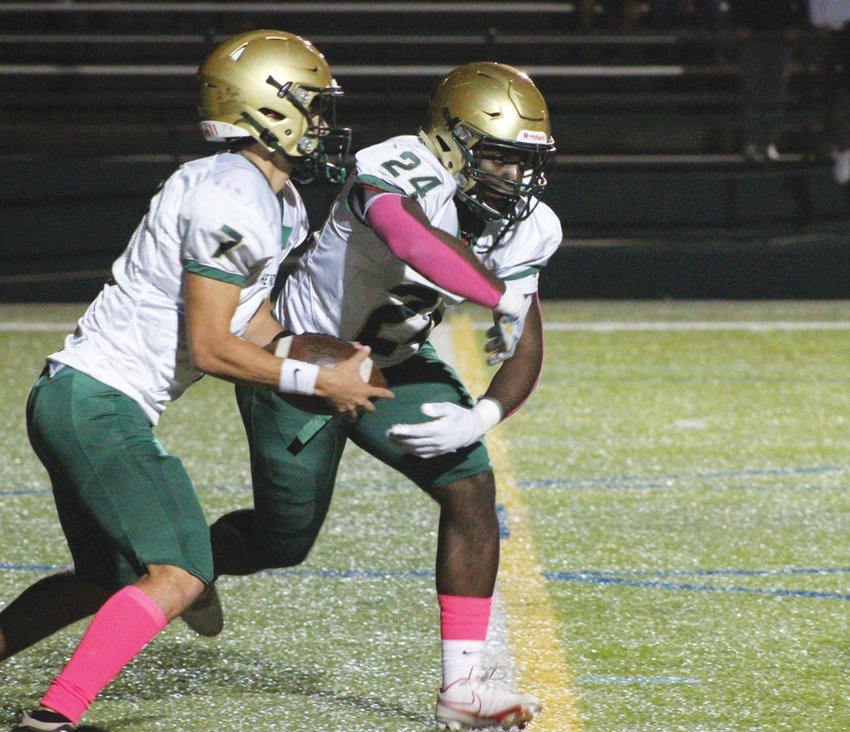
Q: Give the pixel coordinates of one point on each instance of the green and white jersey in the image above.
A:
(350, 285)
(217, 217)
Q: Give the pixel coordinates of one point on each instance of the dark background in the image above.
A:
(97, 105)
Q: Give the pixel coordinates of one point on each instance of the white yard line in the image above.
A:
(613, 326)
(526, 612)
(440, 335)
(25, 327)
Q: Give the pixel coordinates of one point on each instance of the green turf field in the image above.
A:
(674, 497)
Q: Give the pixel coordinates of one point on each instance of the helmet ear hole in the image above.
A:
(271, 114)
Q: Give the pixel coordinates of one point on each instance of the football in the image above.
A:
(322, 350)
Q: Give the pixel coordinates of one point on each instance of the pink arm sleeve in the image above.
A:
(410, 241)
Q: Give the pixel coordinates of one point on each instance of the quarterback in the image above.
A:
(425, 222)
(187, 297)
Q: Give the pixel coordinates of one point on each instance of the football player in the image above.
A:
(188, 296)
(425, 222)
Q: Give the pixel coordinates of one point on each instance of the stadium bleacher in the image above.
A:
(99, 98)
(127, 69)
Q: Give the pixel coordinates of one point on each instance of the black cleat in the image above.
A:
(43, 720)
(205, 615)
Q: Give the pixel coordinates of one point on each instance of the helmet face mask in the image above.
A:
(502, 178)
(322, 146)
(325, 144)
(276, 88)
(489, 126)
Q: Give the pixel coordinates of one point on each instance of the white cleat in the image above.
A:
(479, 703)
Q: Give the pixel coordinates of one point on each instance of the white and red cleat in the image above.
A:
(479, 702)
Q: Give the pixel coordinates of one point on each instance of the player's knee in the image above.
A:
(474, 494)
(285, 538)
(469, 504)
(286, 550)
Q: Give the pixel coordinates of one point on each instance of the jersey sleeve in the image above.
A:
(296, 224)
(529, 250)
(229, 232)
(403, 166)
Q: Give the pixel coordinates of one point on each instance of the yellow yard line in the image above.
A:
(539, 660)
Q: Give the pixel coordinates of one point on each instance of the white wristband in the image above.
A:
(490, 412)
(297, 377)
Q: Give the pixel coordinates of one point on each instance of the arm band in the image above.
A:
(297, 377)
(412, 242)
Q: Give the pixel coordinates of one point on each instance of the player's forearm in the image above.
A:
(210, 306)
(511, 389)
(235, 359)
(518, 376)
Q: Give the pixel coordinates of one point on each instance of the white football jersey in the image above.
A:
(349, 284)
(217, 217)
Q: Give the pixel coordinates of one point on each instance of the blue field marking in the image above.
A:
(349, 573)
(288, 571)
(604, 578)
(21, 567)
(663, 481)
(591, 577)
(788, 571)
(614, 481)
(228, 488)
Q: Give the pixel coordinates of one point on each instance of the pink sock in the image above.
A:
(118, 631)
(463, 629)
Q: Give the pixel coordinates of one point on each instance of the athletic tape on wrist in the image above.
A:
(490, 412)
(511, 303)
(297, 377)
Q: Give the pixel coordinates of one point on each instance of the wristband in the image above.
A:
(297, 377)
(490, 412)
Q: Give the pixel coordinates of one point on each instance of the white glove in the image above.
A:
(454, 427)
(504, 337)
(507, 331)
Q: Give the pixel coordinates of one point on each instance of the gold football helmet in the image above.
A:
(276, 88)
(487, 107)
